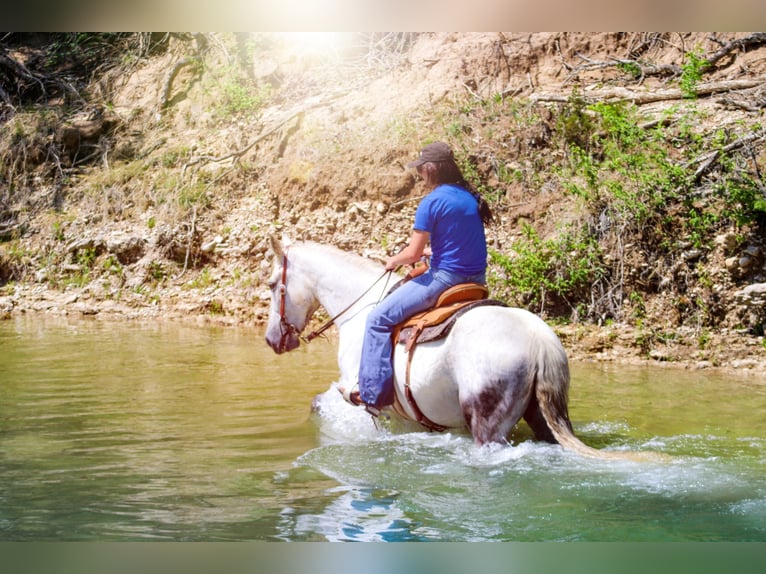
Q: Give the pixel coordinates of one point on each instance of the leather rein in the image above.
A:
(288, 328)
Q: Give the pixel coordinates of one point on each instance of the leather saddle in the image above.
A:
(435, 323)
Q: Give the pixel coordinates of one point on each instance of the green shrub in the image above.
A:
(554, 272)
(239, 96)
(691, 72)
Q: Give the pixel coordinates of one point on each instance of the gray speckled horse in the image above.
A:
(497, 364)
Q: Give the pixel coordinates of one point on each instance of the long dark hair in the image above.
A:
(438, 172)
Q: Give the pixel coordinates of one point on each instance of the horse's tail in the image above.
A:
(551, 386)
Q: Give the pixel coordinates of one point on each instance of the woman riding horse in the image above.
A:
(451, 217)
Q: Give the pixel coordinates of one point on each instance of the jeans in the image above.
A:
(376, 371)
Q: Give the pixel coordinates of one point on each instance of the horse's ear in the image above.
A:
(276, 246)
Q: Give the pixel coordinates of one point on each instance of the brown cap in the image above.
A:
(437, 151)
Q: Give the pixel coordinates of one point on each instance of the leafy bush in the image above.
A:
(691, 73)
(239, 96)
(557, 272)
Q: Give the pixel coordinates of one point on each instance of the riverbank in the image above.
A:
(738, 353)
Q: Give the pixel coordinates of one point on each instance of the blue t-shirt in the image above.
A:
(450, 214)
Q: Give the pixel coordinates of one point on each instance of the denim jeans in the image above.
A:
(376, 372)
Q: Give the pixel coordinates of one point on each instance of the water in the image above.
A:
(137, 432)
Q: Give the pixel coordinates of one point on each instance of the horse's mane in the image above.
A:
(349, 258)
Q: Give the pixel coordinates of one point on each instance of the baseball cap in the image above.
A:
(437, 151)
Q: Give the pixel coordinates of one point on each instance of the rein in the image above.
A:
(327, 324)
(288, 328)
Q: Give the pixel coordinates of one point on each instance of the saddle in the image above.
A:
(436, 322)
(431, 325)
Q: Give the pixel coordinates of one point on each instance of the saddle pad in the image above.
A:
(439, 321)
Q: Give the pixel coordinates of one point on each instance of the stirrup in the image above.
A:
(372, 411)
(351, 396)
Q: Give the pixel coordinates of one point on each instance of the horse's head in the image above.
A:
(292, 301)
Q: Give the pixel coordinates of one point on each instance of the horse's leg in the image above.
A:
(497, 406)
(534, 417)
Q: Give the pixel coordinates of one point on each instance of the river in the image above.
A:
(128, 431)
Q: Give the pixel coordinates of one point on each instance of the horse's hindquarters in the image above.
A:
(480, 365)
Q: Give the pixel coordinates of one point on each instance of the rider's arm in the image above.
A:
(412, 253)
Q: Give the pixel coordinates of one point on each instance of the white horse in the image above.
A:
(497, 364)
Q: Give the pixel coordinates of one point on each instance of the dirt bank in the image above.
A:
(153, 197)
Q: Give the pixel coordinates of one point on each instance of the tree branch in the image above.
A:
(708, 159)
(755, 39)
(239, 153)
(165, 99)
(619, 94)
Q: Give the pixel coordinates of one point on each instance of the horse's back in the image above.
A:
(495, 326)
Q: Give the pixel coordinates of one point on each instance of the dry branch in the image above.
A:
(165, 99)
(707, 159)
(644, 69)
(19, 70)
(235, 155)
(755, 39)
(5, 97)
(239, 153)
(620, 94)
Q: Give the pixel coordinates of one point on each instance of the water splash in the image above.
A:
(441, 486)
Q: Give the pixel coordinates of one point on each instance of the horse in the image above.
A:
(497, 365)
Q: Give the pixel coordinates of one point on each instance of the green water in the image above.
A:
(128, 431)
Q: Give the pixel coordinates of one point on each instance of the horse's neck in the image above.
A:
(339, 279)
(347, 287)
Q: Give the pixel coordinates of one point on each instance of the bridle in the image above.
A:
(287, 329)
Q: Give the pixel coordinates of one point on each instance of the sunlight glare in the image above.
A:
(315, 43)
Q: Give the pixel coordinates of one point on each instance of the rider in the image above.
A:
(451, 217)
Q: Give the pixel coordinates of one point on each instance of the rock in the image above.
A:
(85, 309)
(727, 241)
(658, 355)
(126, 248)
(6, 307)
(210, 245)
(745, 363)
(754, 294)
(732, 264)
(745, 262)
(96, 244)
(692, 254)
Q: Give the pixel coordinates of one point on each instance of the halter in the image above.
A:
(287, 328)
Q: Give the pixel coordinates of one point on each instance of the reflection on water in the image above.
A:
(160, 432)
(167, 432)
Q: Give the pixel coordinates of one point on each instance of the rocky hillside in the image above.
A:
(625, 171)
